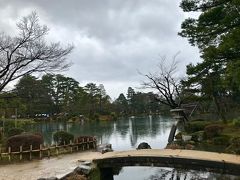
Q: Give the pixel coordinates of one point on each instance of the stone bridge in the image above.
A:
(189, 159)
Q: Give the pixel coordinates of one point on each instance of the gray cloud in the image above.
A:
(113, 38)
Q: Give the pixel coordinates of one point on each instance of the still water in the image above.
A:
(123, 134)
(126, 134)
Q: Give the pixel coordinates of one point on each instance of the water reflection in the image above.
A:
(123, 134)
(157, 173)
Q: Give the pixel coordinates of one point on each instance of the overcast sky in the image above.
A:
(113, 39)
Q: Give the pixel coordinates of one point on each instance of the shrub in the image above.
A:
(24, 140)
(213, 130)
(105, 117)
(114, 115)
(196, 126)
(95, 116)
(234, 147)
(14, 131)
(197, 136)
(178, 136)
(236, 141)
(7, 125)
(236, 122)
(1, 136)
(62, 137)
(221, 140)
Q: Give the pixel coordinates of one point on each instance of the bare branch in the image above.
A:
(29, 52)
(166, 82)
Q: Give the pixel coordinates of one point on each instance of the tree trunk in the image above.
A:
(219, 108)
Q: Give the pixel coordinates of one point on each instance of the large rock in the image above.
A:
(103, 148)
(74, 176)
(86, 163)
(80, 173)
(144, 145)
(83, 169)
(50, 178)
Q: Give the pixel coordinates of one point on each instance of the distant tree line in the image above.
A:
(56, 94)
(137, 103)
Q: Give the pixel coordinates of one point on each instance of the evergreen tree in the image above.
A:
(216, 32)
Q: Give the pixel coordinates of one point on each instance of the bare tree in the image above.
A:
(28, 52)
(166, 82)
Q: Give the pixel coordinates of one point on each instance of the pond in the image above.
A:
(123, 134)
(126, 134)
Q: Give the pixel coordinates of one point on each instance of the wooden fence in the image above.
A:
(47, 151)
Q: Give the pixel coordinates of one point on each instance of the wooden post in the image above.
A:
(87, 143)
(30, 153)
(57, 152)
(1, 153)
(9, 153)
(77, 144)
(20, 153)
(83, 144)
(71, 147)
(40, 152)
(48, 151)
(94, 144)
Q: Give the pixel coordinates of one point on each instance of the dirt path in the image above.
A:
(53, 167)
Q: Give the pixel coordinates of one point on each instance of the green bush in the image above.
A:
(24, 140)
(96, 116)
(195, 126)
(114, 115)
(1, 137)
(236, 141)
(7, 125)
(236, 122)
(62, 137)
(197, 136)
(178, 136)
(14, 131)
(10, 124)
(212, 130)
(234, 147)
(221, 140)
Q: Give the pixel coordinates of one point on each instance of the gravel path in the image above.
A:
(53, 167)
